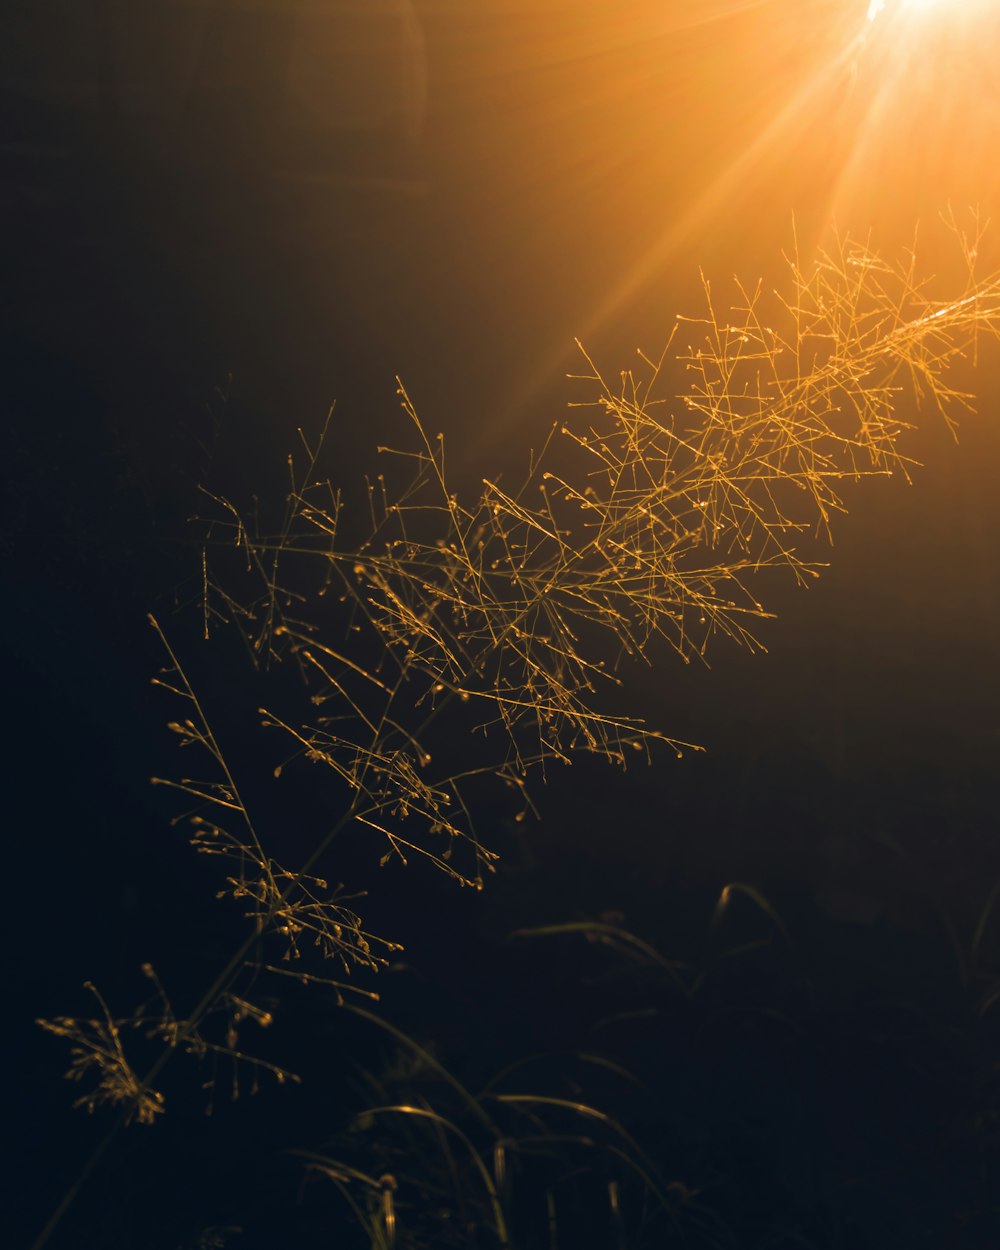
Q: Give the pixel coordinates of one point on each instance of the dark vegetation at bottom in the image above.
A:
(800, 1080)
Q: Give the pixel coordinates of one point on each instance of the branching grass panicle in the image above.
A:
(455, 648)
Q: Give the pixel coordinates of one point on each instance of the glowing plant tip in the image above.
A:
(874, 9)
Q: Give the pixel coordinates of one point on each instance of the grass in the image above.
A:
(701, 1105)
(451, 651)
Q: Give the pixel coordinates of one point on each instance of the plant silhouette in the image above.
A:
(455, 649)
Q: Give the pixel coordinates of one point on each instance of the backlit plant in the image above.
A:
(452, 648)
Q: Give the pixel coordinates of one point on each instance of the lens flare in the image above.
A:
(918, 8)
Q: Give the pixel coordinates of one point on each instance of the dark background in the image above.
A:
(220, 219)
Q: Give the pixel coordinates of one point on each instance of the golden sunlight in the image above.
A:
(917, 8)
(806, 109)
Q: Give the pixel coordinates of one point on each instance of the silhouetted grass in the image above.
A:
(452, 650)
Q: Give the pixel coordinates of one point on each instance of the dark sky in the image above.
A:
(220, 219)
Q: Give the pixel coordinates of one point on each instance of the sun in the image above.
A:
(913, 8)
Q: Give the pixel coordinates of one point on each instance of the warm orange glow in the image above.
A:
(645, 139)
(924, 102)
(918, 8)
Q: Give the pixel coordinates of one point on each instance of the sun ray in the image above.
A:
(890, 99)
